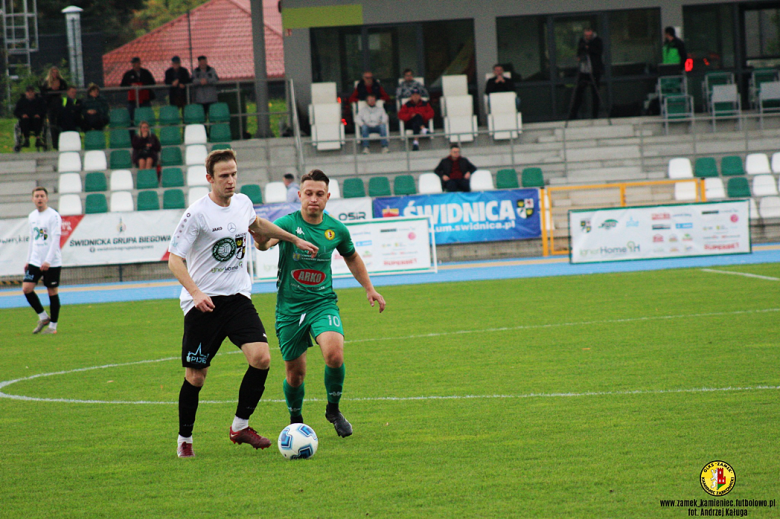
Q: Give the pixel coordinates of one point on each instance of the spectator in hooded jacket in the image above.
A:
(204, 81)
(416, 113)
(368, 85)
(94, 110)
(372, 118)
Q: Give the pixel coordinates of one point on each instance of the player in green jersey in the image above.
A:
(306, 304)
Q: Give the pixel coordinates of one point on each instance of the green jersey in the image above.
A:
(304, 282)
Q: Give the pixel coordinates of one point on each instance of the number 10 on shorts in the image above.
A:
(333, 320)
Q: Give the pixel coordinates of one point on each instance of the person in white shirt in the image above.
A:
(372, 118)
(212, 239)
(44, 259)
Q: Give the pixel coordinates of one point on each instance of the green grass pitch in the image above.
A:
(561, 397)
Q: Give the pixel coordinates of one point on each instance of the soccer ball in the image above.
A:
(298, 441)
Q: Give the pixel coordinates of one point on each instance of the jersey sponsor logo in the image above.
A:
(308, 276)
(224, 249)
(240, 246)
(198, 357)
(215, 229)
(40, 233)
(329, 234)
(231, 227)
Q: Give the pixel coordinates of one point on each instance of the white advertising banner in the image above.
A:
(14, 241)
(387, 246)
(671, 231)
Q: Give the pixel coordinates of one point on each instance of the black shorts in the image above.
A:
(51, 278)
(233, 316)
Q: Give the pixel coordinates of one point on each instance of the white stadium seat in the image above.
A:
(195, 194)
(196, 176)
(769, 207)
(460, 123)
(457, 85)
(327, 131)
(70, 205)
(334, 189)
(430, 183)
(275, 192)
(69, 161)
(196, 155)
(757, 164)
(481, 180)
(121, 202)
(323, 93)
(714, 189)
(504, 121)
(95, 160)
(69, 141)
(121, 180)
(195, 134)
(680, 168)
(69, 183)
(685, 191)
(764, 185)
(776, 162)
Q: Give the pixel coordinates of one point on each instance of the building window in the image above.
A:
(709, 36)
(635, 41)
(523, 47)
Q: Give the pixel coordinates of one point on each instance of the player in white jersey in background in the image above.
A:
(44, 259)
(213, 238)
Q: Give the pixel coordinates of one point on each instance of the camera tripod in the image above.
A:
(591, 82)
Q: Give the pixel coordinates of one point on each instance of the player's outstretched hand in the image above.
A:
(304, 245)
(203, 302)
(373, 295)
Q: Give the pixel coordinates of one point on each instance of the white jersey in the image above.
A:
(214, 242)
(45, 232)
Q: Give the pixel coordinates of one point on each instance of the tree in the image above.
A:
(159, 12)
(111, 17)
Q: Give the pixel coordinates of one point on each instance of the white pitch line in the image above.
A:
(745, 274)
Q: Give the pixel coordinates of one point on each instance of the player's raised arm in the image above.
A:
(272, 234)
(179, 268)
(359, 271)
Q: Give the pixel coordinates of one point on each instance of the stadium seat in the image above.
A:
(481, 180)
(323, 93)
(507, 179)
(725, 101)
(68, 162)
(219, 113)
(731, 166)
(170, 136)
(121, 202)
(379, 186)
(121, 159)
(122, 180)
(220, 133)
(768, 99)
(119, 139)
(504, 121)
(757, 164)
(69, 183)
(275, 192)
(94, 140)
(776, 162)
(460, 123)
(714, 189)
(327, 131)
(196, 176)
(404, 185)
(147, 179)
(148, 201)
(172, 177)
(196, 154)
(706, 167)
(680, 168)
(676, 108)
(95, 181)
(194, 114)
(173, 199)
(769, 207)
(533, 177)
(70, 205)
(754, 209)
(169, 115)
(96, 203)
(685, 191)
(764, 185)
(196, 193)
(144, 113)
(195, 134)
(95, 160)
(70, 141)
(222, 146)
(430, 183)
(254, 193)
(455, 85)
(738, 187)
(171, 156)
(119, 118)
(334, 189)
(353, 188)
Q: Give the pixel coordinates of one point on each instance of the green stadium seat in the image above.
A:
(705, 167)
(121, 159)
(533, 177)
(169, 115)
(379, 186)
(194, 114)
(173, 199)
(96, 203)
(147, 179)
(254, 193)
(94, 140)
(506, 179)
(222, 146)
(404, 185)
(119, 139)
(220, 133)
(144, 113)
(353, 188)
(219, 113)
(119, 118)
(171, 157)
(172, 177)
(148, 201)
(95, 181)
(731, 166)
(738, 187)
(170, 136)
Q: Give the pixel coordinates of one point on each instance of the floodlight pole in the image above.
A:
(76, 56)
(261, 74)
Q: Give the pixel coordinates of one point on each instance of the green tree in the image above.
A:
(159, 12)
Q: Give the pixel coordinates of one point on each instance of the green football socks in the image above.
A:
(334, 383)
(294, 398)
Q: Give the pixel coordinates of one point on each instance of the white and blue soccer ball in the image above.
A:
(298, 441)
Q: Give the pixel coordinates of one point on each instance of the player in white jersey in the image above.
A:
(44, 259)
(213, 237)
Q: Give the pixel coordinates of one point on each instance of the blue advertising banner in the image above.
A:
(507, 214)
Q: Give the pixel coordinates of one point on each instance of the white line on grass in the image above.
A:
(7, 383)
(745, 274)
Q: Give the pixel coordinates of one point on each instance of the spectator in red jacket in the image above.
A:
(416, 113)
(368, 85)
(455, 171)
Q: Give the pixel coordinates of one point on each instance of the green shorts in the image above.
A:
(295, 331)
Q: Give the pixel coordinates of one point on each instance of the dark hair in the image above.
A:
(201, 57)
(315, 175)
(218, 156)
(93, 86)
(670, 31)
(498, 65)
(454, 146)
(407, 70)
(371, 94)
(29, 88)
(289, 176)
(40, 188)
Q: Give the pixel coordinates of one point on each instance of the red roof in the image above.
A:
(220, 30)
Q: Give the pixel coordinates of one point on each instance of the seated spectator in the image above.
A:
(292, 188)
(416, 113)
(146, 147)
(52, 88)
(178, 78)
(368, 85)
(70, 115)
(204, 81)
(499, 83)
(455, 171)
(404, 90)
(30, 110)
(137, 76)
(372, 118)
(94, 110)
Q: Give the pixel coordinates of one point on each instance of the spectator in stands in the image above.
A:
(368, 85)
(178, 78)
(499, 83)
(455, 171)
(292, 188)
(146, 147)
(94, 110)
(416, 113)
(372, 118)
(204, 80)
(70, 115)
(673, 51)
(52, 88)
(591, 67)
(137, 76)
(30, 110)
(405, 87)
